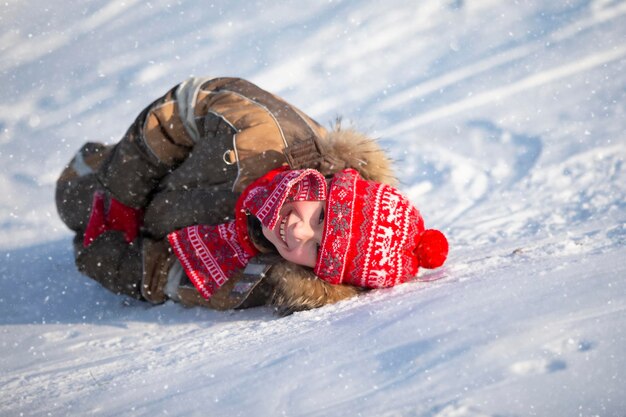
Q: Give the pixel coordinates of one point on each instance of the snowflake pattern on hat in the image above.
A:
(337, 227)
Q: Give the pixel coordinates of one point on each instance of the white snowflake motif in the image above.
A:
(338, 244)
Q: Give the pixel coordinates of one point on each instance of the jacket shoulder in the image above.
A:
(262, 124)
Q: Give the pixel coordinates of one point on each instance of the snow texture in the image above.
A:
(507, 121)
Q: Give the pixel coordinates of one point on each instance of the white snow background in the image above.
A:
(507, 120)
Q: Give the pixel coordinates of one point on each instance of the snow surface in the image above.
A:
(507, 119)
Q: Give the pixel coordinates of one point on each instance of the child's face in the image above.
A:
(298, 233)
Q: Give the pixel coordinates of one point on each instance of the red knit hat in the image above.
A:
(373, 236)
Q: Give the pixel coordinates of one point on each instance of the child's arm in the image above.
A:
(159, 139)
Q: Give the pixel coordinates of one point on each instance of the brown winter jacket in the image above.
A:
(186, 159)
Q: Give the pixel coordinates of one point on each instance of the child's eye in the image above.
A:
(322, 216)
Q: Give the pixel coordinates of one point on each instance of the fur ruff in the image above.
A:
(360, 152)
(297, 288)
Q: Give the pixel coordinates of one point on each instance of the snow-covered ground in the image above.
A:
(508, 122)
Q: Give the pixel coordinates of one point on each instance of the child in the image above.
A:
(223, 195)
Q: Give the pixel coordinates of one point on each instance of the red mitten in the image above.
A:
(125, 219)
(97, 223)
(118, 217)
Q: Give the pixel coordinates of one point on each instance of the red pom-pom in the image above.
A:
(432, 249)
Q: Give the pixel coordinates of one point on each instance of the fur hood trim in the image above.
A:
(358, 151)
(297, 288)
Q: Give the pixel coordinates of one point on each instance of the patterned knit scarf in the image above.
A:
(212, 254)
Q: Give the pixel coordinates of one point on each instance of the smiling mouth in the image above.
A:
(281, 230)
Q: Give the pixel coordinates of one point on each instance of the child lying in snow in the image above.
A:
(223, 195)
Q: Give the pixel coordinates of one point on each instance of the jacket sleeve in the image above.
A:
(161, 137)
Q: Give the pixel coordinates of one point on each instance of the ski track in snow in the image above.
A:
(507, 122)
